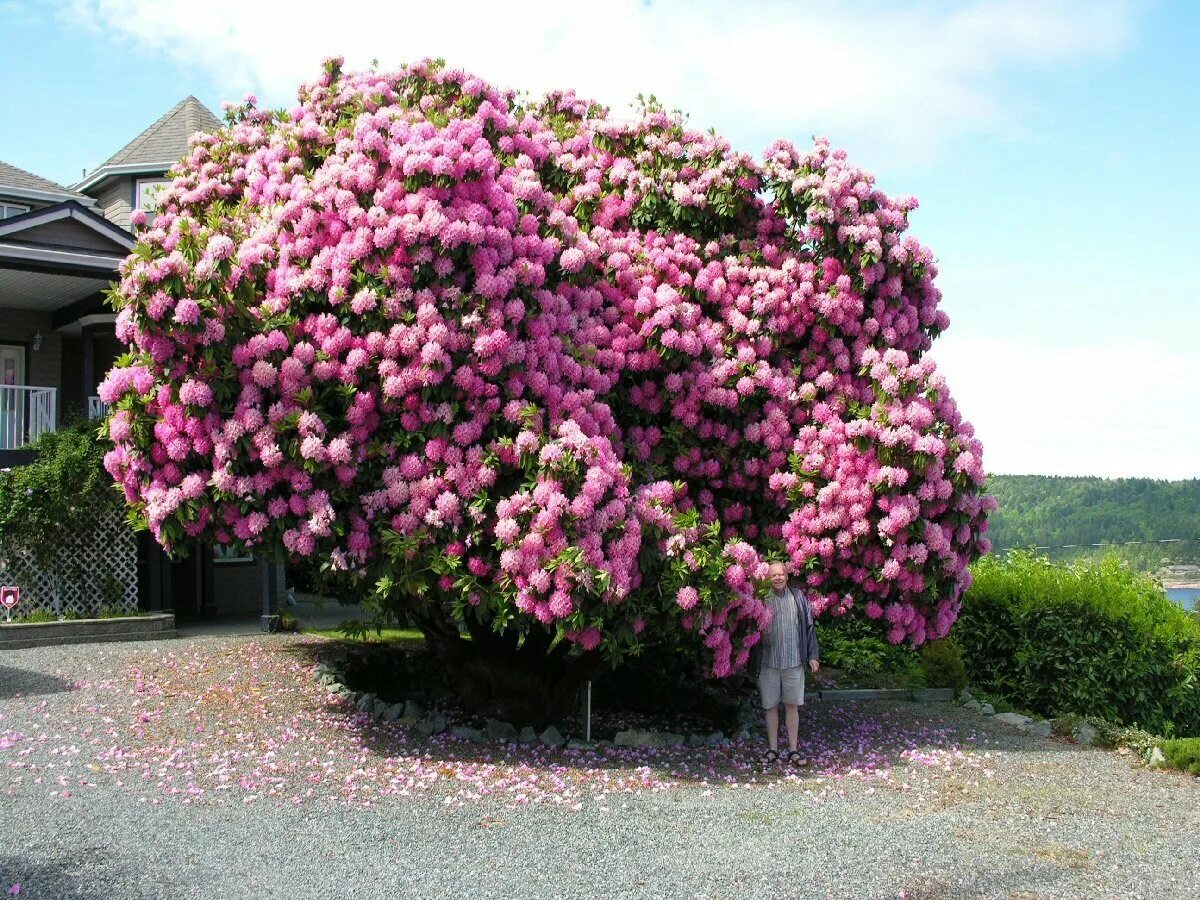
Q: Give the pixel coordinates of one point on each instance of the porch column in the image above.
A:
(88, 341)
(269, 572)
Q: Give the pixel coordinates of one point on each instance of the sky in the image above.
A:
(1053, 147)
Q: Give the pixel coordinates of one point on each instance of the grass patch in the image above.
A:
(403, 636)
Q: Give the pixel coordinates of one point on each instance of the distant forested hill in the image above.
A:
(1049, 510)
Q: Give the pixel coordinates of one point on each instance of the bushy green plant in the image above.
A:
(1183, 753)
(37, 616)
(942, 663)
(45, 505)
(1094, 639)
(857, 647)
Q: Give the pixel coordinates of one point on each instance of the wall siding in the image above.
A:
(115, 200)
(43, 367)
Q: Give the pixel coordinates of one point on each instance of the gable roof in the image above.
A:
(16, 182)
(158, 147)
(79, 250)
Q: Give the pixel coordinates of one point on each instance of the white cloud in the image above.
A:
(902, 80)
(1111, 409)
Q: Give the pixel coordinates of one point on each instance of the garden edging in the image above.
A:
(156, 626)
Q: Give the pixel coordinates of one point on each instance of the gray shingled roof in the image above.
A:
(167, 139)
(13, 177)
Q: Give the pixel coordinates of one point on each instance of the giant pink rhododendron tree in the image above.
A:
(565, 378)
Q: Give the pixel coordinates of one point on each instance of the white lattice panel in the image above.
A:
(99, 569)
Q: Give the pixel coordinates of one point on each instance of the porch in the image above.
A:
(29, 411)
(56, 332)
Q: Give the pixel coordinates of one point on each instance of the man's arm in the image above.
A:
(811, 647)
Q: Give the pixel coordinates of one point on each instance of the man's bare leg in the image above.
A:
(772, 715)
(791, 718)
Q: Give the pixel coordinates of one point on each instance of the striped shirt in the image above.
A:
(781, 641)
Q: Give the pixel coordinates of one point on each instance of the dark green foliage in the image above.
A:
(1046, 510)
(39, 615)
(45, 505)
(942, 663)
(1183, 753)
(857, 647)
(1093, 639)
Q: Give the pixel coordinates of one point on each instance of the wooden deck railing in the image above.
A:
(26, 413)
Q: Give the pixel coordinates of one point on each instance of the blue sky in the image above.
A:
(1053, 146)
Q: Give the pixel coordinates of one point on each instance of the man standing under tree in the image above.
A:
(787, 646)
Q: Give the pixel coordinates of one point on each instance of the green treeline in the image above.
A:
(1054, 510)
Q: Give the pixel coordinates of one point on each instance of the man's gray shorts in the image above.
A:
(781, 684)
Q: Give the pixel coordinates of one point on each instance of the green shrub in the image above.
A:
(858, 648)
(1094, 639)
(39, 615)
(1183, 753)
(45, 505)
(942, 663)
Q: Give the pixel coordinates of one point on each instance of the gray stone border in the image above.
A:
(410, 714)
(153, 627)
(919, 695)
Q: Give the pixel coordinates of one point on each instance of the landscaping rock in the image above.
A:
(366, 702)
(987, 709)
(1045, 728)
(972, 704)
(552, 737)
(527, 735)
(1156, 759)
(716, 739)
(668, 739)
(434, 723)
(634, 737)
(577, 744)
(413, 710)
(466, 733)
(965, 694)
(499, 731)
(393, 712)
(1016, 720)
(696, 740)
(1086, 734)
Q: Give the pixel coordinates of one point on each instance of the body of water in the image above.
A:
(1187, 597)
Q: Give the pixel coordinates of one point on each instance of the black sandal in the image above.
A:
(794, 758)
(769, 757)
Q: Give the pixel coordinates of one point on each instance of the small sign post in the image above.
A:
(10, 596)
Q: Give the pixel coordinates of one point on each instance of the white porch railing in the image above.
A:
(97, 408)
(26, 412)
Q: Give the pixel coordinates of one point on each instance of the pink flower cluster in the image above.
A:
(591, 370)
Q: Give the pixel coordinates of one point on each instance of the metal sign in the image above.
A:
(10, 596)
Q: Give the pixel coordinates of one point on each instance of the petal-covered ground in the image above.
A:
(215, 721)
(217, 766)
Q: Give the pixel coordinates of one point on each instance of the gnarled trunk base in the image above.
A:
(529, 684)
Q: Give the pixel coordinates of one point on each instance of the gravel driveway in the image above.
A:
(215, 766)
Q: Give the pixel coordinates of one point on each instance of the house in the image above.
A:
(60, 248)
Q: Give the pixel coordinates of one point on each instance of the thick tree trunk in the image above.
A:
(526, 685)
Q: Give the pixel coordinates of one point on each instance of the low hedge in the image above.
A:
(1183, 753)
(1090, 639)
